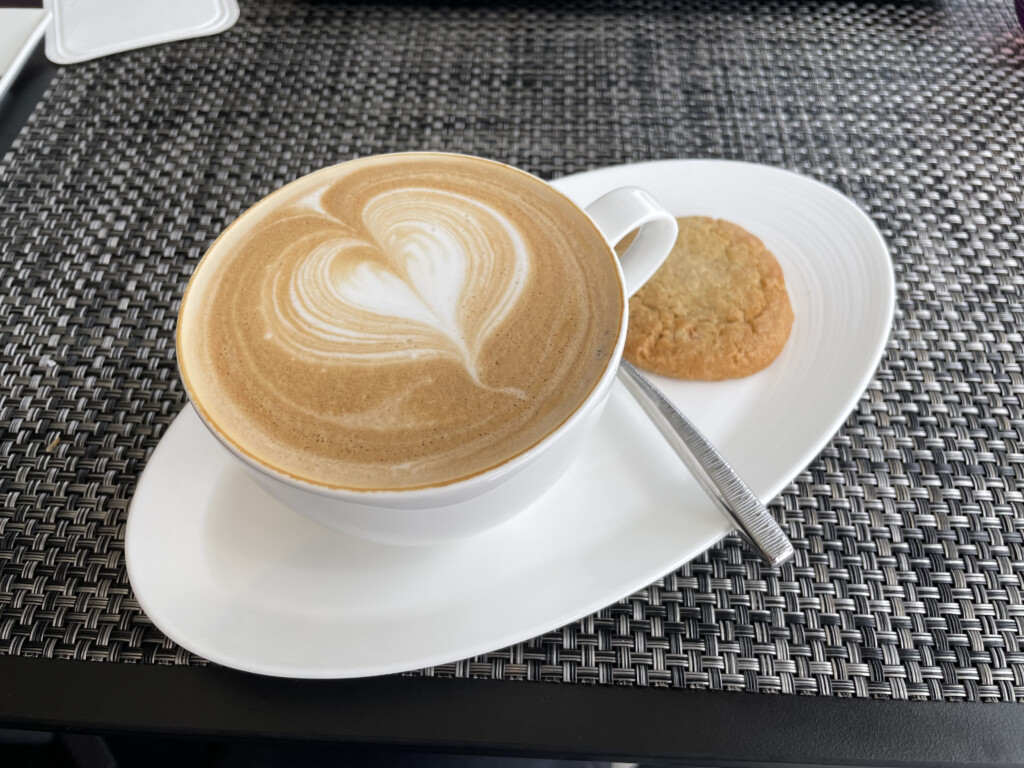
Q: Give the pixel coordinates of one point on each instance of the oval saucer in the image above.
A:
(228, 573)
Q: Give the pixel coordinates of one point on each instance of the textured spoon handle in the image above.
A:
(714, 474)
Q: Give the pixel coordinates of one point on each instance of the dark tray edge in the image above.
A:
(506, 717)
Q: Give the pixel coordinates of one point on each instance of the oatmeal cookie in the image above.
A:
(717, 308)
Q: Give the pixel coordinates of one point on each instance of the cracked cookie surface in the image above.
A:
(717, 309)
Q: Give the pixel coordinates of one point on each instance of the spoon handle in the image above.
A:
(719, 481)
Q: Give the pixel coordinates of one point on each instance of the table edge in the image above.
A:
(524, 718)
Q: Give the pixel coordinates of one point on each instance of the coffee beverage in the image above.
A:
(399, 321)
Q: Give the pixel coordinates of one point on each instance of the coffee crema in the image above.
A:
(399, 321)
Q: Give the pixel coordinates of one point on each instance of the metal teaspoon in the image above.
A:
(719, 480)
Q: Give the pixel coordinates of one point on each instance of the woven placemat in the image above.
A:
(909, 527)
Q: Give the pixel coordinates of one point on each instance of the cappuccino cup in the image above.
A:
(412, 348)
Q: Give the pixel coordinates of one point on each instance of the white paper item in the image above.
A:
(87, 29)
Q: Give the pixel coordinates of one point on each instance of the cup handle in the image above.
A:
(620, 212)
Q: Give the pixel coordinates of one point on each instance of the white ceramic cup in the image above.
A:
(464, 507)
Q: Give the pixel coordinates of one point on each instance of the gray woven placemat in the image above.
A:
(909, 527)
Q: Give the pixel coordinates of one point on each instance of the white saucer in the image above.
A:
(228, 573)
(20, 32)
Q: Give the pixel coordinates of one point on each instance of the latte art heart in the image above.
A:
(438, 274)
(400, 321)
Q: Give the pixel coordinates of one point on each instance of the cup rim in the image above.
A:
(485, 478)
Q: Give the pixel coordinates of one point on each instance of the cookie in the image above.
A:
(717, 308)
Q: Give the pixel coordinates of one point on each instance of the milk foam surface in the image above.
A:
(399, 321)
